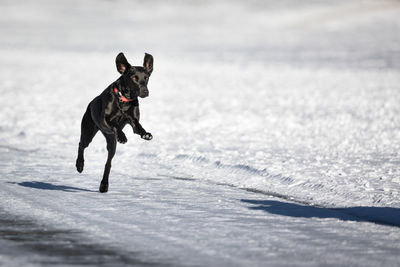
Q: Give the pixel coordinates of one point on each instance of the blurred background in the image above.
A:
(335, 33)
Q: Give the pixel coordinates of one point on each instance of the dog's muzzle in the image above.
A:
(144, 92)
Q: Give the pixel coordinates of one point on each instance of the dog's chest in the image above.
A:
(120, 111)
(123, 107)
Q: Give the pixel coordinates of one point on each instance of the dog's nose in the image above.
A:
(144, 92)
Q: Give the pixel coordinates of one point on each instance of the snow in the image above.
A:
(275, 124)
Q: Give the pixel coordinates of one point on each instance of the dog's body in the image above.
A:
(115, 107)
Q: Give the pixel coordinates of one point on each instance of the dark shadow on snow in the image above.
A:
(60, 247)
(49, 186)
(379, 215)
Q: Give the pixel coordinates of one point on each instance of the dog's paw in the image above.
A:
(103, 187)
(121, 137)
(147, 136)
(79, 165)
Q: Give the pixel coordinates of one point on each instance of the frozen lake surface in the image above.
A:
(276, 134)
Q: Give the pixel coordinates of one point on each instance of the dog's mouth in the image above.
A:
(143, 93)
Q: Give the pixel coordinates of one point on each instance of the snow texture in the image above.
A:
(276, 133)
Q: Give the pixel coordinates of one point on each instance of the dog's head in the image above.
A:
(135, 77)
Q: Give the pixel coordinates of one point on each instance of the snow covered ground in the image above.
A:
(276, 134)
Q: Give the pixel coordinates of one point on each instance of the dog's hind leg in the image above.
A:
(111, 147)
(88, 131)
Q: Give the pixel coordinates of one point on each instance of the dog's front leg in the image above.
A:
(136, 126)
(138, 129)
(121, 137)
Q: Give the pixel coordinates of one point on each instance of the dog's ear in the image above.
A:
(122, 63)
(148, 63)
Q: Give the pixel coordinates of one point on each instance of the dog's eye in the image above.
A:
(146, 78)
(135, 78)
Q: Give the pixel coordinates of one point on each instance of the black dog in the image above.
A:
(115, 107)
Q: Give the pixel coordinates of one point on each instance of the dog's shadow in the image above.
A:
(49, 186)
(379, 215)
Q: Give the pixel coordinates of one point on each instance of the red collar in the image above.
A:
(121, 97)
